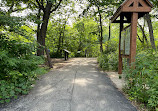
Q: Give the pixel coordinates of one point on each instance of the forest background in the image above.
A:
(34, 27)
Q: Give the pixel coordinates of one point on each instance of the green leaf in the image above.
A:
(2, 101)
(7, 100)
(23, 87)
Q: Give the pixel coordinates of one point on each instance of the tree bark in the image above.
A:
(101, 31)
(39, 52)
(47, 10)
(48, 59)
(44, 25)
(152, 41)
(109, 31)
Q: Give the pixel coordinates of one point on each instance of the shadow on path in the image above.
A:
(77, 86)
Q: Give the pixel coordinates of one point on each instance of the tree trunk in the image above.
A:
(140, 39)
(152, 41)
(63, 37)
(143, 32)
(109, 31)
(43, 29)
(48, 59)
(101, 31)
(59, 44)
(39, 52)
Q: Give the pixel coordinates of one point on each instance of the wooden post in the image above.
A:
(120, 65)
(48, 58)
(130, 9)
(133, 37)
(65, 55)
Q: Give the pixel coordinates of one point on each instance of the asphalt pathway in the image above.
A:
(78, 86)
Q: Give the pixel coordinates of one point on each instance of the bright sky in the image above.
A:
(78, 8)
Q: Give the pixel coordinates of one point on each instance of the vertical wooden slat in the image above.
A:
(134, 20)
(120, 65)
(65, 55)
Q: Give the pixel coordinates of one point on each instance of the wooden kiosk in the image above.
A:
(66, 54)
(129, 12)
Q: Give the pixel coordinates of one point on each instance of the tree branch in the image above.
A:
(85, 10)
(11, 7)
(144, 36)
(40, 5)
(139, 39)
(56, 6)
(34, 4)
(21, 9)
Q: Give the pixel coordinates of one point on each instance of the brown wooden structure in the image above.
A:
(66, 54)
(129, 12)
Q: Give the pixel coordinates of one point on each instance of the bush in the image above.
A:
(142, 82)
(108, 61)
(56, 55)
(18, 68)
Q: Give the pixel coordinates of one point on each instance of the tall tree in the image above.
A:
(152, 40)
(102, 6)
(47, 7)
(100, 30)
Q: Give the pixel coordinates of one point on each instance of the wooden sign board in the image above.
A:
(125, 41)
(129, 12)
(123, 36)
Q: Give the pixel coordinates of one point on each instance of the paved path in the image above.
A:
(78, 86)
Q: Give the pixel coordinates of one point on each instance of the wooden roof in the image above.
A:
(130, 6)
(147, 1)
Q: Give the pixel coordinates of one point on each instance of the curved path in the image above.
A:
(78, 86)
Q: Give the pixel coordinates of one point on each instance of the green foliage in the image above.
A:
(142, 82)
(18, 68)
(108, 60)
(80, 37)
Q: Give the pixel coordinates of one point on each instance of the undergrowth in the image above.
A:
(142, 82)
(108, 60)
(18, 68)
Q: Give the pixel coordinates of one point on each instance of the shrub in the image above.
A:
(142, 82)
(108, 61)
(18, 68)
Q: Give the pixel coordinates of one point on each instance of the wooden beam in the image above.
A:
(141, 9)
(125, 56)
(133, 37)
(116, 15)
(124, 21)
(150, 4)
(120, 65)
